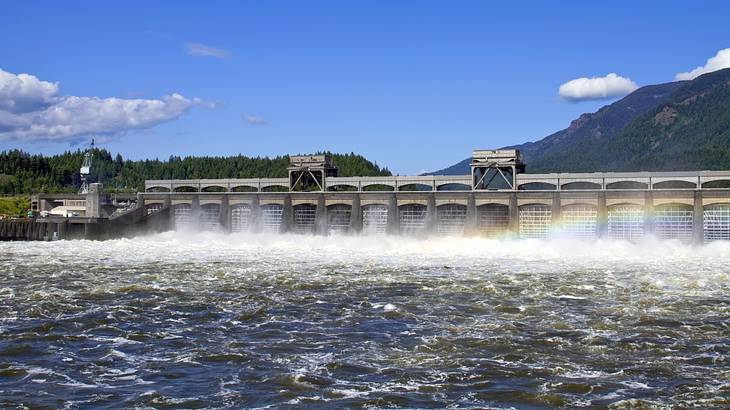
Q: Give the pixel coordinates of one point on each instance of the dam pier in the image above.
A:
(496, 199)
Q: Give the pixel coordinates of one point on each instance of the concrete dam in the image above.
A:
(496, 199)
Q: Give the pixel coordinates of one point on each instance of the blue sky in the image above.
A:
(413, 85)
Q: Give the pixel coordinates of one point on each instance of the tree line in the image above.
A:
(25, 173)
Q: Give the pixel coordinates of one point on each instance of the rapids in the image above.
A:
(201, 320)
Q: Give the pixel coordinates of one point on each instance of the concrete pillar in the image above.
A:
(256, 221)
(91, 231)
(320, 217)
(514, 216)
(393, 220)
(470, 225)
(195, 212)
(555, 210)
(648, 213)
(287, 217)
(431, 216)
(698, 225)
(602, 215)
(225, 214)
(93, 201)
(62, 229)
(356, 215)
(140, 201)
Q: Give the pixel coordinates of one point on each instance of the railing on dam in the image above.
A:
(598, 181)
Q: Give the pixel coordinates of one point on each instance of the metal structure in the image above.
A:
(85, 170)
(495, 169)
(310, 172)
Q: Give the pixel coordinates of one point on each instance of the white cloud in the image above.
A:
(31, 109)
(256, 120)
(201, 50)
(718, 62)
(24, 92)
(597, 88)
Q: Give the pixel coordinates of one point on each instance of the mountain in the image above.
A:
(23, 173)
(683, 125)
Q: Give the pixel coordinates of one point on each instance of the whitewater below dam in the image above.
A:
(203, 320)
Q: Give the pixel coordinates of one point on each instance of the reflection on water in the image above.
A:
(208, 320)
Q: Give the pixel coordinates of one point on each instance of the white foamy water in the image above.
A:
(208, 320)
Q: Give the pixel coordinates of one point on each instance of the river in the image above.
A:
(201, 320)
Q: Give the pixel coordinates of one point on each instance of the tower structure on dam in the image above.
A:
(497, 198)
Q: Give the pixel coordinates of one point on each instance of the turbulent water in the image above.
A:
(208, 321)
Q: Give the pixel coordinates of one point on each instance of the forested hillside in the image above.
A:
(677, 126)
(22, 173)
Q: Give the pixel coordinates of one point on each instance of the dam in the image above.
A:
(497, 199)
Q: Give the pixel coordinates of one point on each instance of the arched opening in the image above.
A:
(182, 216)
(580, 220)
(415, 187)
(716, 221)
(374, 219)
(492, 219)
(453, 187)
(580, 185)
(674, 185)
(305, 217)
(152, 208)
(537, 186)
(158, 189)
(338, 218)
(627, 185)
(378, 188)
(535, 221)
(451, 219)
(186, 188)
(719, 184)
(674, 221)
(275, 188)
(241, 218)
(626, 222)
(271, 217)
(214, 188)
(244, 188)
(210, 217)
(412, 218)
(342, 188)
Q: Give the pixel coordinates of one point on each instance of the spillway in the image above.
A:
(535, 221)
(305, 218)
(338, 218)
(374, 219)
(626, 222)
(412, 219)
(674, 221)
(271, 218)
(451, 219)
(241, 218)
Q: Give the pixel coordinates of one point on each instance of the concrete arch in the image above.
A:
(379, 187)
(186, 188)
(717, 184)
(578, 185)
(627, 185)
(342, 187)
(244, 188)
(453, 186)
(674, 184)
(537, 186)
(213, 188)
(158, 188)
(415, 187)
(274, 188)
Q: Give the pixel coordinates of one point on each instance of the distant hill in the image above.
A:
(683, 125)
(23, 173)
